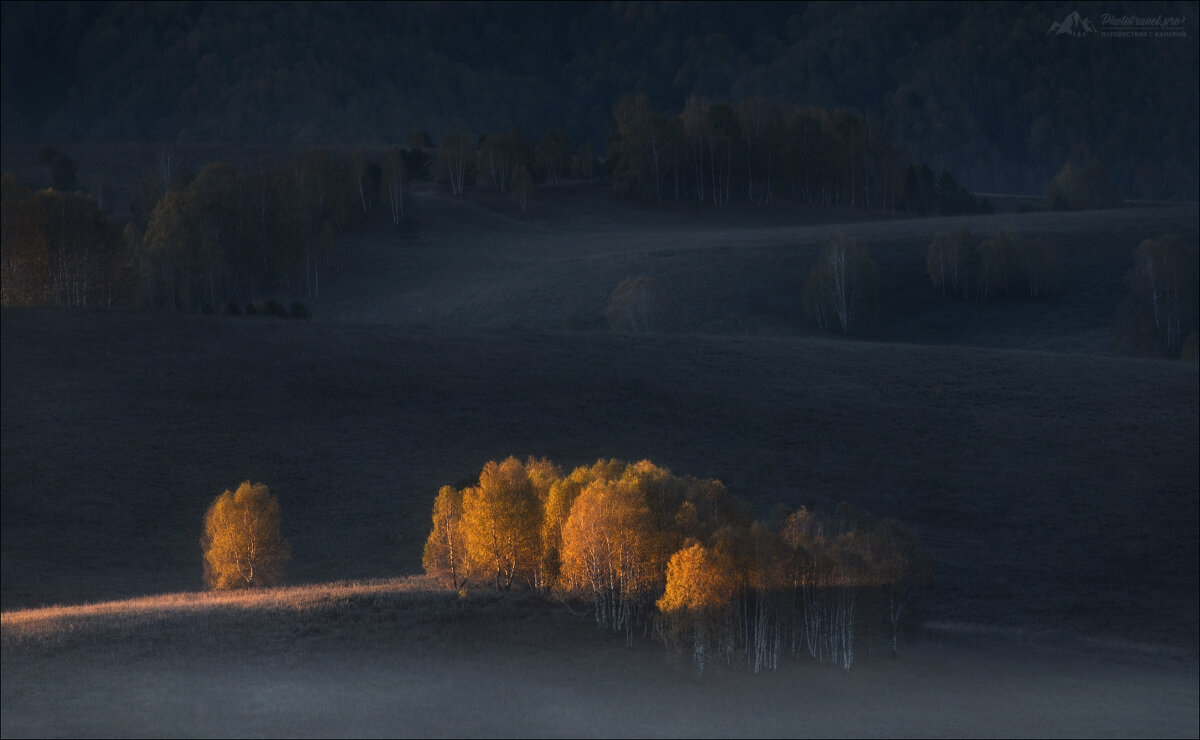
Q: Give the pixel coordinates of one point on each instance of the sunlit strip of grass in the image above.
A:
(45, 621)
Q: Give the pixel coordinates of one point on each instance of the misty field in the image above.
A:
(392, 658)
(1054, 482)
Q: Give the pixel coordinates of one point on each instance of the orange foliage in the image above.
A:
(501, 519)
(445, 549)
(696, 582)
(607, 541)
(629, 537)
(242, 544)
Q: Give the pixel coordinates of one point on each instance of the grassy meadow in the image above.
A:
(396, 658)
(1055, 482)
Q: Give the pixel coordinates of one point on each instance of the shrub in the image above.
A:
(299, 311)
(232, 309)
(242, 544)
(251, 310)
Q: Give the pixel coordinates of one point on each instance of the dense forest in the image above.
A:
(981, 90)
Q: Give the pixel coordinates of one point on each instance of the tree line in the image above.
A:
(506, 162)
(681, 559)
(199, 241)
(758, 151)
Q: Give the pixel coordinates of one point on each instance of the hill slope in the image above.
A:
(395, 659)
(1054, 489)
(737, 272)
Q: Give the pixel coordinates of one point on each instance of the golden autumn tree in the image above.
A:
(559, 500)
(609, 551)
(543, 476)
(242, 544)
(699, 589)
(445, 550)
(501, 520)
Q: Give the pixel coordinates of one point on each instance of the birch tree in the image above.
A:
(242, 543)
(445, 551)
(1161, 308)
(697, 594)
(393, 176)
(502, 517)
(900, 568)
(522, 187)
(454, 156)
(842, 290)
(608, 552)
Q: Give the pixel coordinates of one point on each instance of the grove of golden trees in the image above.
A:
(650, 551)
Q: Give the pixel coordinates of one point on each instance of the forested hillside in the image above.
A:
(982, 90)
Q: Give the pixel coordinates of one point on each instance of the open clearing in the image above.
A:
(1056, 484)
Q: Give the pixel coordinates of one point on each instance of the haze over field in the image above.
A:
(754, 262)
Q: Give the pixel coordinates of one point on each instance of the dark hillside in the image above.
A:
(739, 271)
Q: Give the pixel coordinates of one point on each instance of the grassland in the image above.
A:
(392, 658)
(1055, 483)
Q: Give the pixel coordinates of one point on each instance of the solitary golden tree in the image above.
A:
(242, 544)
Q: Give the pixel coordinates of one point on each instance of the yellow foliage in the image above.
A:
(696, 582)
(501, 519)
(608, 543)
(445, 549)
(242, 544)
